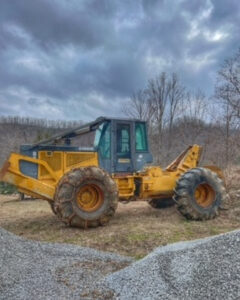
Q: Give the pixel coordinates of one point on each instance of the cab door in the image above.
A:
(123, 150)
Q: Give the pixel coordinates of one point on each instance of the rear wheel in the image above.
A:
(161, 203)
(86, 197)
(199, 194)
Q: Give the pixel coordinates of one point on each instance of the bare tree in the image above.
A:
(160, 103)
(176, 97)
(196, 105)
(158, 91)
(227, 93)
(228, 83)
(139, 107)
(166, 95)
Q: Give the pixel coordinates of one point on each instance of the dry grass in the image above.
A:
(135, 230)
(232, 177)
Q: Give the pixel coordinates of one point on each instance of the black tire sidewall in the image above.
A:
(210, 181)
(65, 197)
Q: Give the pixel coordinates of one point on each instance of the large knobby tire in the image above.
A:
(86, 197)
(199, 193)
(52, 206)
(161, 203)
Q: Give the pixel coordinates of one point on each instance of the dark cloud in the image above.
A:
(80, 59)
(51, 23)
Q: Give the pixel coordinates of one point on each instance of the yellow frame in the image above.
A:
(154, 182)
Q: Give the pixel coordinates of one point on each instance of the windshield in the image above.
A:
(102, 142)
(98, 135)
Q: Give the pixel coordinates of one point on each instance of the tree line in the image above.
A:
(42, 123)
(15, 131)
(178, 117)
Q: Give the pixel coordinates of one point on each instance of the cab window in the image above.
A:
(141, 137)
(103, 140)
(123, 140)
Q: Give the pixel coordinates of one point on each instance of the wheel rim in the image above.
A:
(205, 195)
(89, 197)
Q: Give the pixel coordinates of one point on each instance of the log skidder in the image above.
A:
(86, 197)
(83, 184)
(199, 194)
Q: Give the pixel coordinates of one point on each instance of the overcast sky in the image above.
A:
(77, 60)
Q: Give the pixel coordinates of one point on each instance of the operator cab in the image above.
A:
(122, 145)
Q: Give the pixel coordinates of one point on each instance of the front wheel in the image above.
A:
(86, 197)
(51, 204)
(199, 194)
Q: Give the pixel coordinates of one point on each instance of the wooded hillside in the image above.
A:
(185, 131)
(15, 131)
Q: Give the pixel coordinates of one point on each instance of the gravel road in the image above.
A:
(202, 269)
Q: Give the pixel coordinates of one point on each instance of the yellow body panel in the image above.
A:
(153, 182)
(51, 167)
(126, 185)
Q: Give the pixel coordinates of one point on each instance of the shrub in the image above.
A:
(7, 189)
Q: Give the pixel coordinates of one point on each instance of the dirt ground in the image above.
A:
(135, 230)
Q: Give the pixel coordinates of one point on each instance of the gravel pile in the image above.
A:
(34, 270)
(202, 269)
